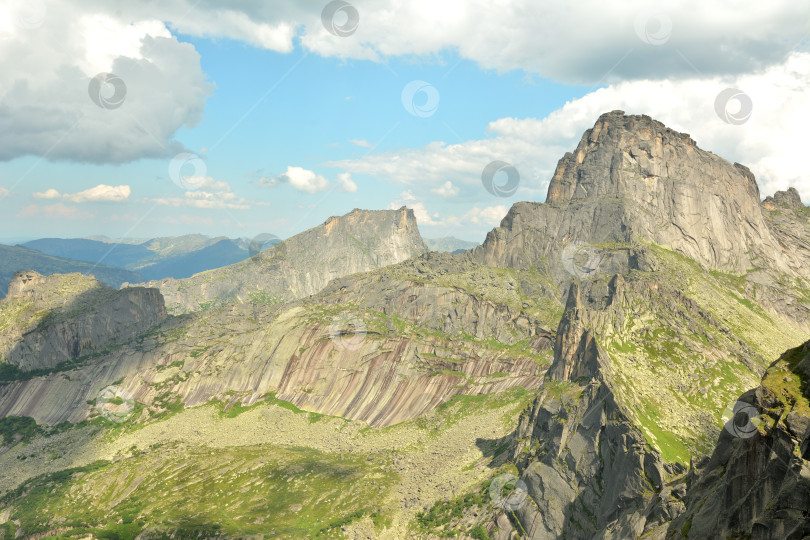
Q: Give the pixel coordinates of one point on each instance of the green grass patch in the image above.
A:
(284, 492)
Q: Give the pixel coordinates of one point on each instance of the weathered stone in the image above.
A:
(786, 199)
(304, 264)
(83, 317)
(632, 179)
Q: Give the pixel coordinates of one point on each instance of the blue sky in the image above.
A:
(293, 124)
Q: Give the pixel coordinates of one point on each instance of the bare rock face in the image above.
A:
(632, 179)
(786, 199)
(60, 318)
(25, 283)
(756, 484)
(789, 221)
(300, 266)
(587, 469)
(310, 353)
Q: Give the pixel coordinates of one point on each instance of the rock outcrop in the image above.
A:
(18, 258)
(632, 179)
(756, 484)
(587, 470)
(789, 198)
(56, 319)
(383, 351)
(789, 222)
(302, 265)
(671, 286)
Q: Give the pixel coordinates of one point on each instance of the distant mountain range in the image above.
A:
(118, 260)
(16, 258)
(157, 258)
(449, 244)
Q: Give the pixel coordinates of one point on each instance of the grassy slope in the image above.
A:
(270, 470)
(676, 378)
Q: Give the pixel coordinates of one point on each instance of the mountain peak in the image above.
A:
(787, 199)
(52, 289)
(303, 264)
(632, 179)
(621, 151)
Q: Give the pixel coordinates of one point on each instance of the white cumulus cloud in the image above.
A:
(49, 193)
(309, 181)
(771, 142)
(208, 193)
(100, 193)
(345, 183)
(446, 190)
(46, 71)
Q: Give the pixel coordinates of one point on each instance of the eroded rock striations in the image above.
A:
(688, 290)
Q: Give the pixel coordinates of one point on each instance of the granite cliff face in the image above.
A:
(300, 266)
(632, 179)
(56, 319)
(588, 471)
(379, 348)
(756, 483)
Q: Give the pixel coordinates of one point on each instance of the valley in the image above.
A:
(580, 374)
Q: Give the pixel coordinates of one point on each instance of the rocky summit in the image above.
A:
(628, 359)
(300, 266)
